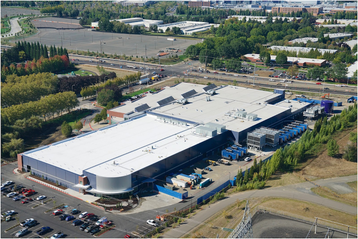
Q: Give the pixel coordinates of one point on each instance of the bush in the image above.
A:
(79, 125)
(105, 96)
(66, 129)
(333, 148)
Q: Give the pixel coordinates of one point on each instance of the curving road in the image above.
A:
(301, 191)
(15, 27)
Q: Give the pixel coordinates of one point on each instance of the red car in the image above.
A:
(89, 215)
(276, 76)
(161, 69)
(28, 193)
(318, 83)
(26, 200)
(58, 211)
(127, 236)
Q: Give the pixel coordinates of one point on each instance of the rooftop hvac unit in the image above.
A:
(241, 114)
(251, 117)
(182, 101)
(208, 98)
(210, 92)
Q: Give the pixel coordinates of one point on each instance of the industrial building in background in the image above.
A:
(169, 130)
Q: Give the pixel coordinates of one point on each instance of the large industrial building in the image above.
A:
(300, 61)
(172, 129)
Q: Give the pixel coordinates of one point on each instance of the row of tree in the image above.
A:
(76, 83)
(45, 107)
(288, 157)
(52, 64)
(22, 89)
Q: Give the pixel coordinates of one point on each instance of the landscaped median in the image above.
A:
(16, 225)
(104, 230)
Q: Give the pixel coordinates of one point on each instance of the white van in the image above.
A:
(102, 220)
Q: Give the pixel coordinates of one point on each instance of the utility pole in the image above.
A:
(145, 48)
(254, 74)
(206, 57)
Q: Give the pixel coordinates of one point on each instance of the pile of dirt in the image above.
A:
(117, 204)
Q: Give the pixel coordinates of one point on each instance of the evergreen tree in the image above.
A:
(51, 51)
(45, 52)
(55, 51)
(65, 52)
(246, 176)
(333, 148)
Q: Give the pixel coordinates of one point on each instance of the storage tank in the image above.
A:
(328, 106)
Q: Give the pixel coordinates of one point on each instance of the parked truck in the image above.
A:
(171, 39)
(205, 183)
(352, 99)
(229, 154)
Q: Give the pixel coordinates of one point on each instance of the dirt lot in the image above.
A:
(120, 73)
(263, 73)
(325, 166)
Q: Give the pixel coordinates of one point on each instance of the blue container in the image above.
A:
(328, 106)
(240, 152)
(229, 155)
(304, 125)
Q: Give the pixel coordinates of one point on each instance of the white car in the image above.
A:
(7, 183)
(83, 215)
(10, 195)
(339, 85)
(205, 77)
(247, 159)
(42, 197)
(152, 223)
(9, 213)
(21, 232)
(272, 80)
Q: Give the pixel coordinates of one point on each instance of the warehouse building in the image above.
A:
(300, 49)
(292, 60)
(186, 26)
(304, 40)
(169, 135)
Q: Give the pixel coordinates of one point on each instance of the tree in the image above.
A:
(105, 96)
(233, 64)
(79, 125)
(315, 72)
(97, 118)
(217, 64)
(293, 70)
(66, 129)
(265, 57)
(339, 71)
(281, 58)
(333, 148)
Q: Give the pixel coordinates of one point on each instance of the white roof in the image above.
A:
(338, 35)
(351, 43)
(120, 149)
(289, 59)
(152, 99)
(304, 40)
(352, 68)
(224, 103)
(292, 104)
(301, 49)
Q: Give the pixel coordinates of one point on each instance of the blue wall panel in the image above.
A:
(51, 169)
(170, 192)
(212, 192)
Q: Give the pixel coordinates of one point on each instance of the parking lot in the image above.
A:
(42, 211)
(110, 43)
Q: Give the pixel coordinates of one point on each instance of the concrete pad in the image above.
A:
(152, 202)
(341, 188)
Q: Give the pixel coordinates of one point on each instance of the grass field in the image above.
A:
(353, 185)
(348, 198)
(127, 96)
(232, 215)
(5, 26)
(93, 69)
(282, 179)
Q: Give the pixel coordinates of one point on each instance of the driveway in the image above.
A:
(15, 27)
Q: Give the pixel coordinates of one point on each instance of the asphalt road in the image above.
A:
(180, 70)
(301, 191)
(15, 27)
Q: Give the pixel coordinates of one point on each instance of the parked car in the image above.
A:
(161, 69)
(90, 228)
(70, 218)
(83, 215)
(57, 212)
(152, 223)
(26, 200)
(63, 217)
(22, 232)
(127, 236)
(92, 219)
(102, 220)
(17, 198)
(74, 211)
(42, 197)
(57, 235)
(247, 159)
(7, 183)
(9, 213)
(43, 230)
(28, 192)
(25, 221)
(10, 195)
(30, 223)
(77, 222)
(84, 226)
(95, 230)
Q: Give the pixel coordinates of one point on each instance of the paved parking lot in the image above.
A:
(110, 43)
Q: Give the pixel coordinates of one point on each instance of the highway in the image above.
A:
(185, 70)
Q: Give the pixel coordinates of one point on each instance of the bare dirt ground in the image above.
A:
(263, 73)
(325, 166)
(54, 137)
(120, 73)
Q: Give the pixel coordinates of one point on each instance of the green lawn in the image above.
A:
(83, 73)
(70, 118)
(5, 26)
(127, 96)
